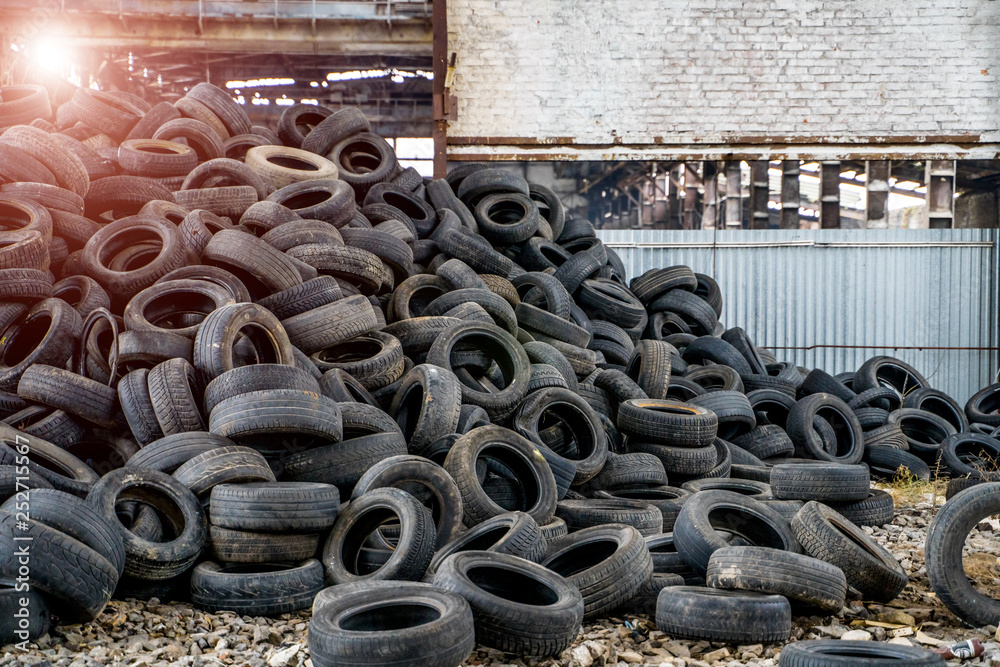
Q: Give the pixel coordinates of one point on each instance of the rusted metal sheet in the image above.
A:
(832, 298)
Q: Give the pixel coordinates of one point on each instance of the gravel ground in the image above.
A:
(132, 634)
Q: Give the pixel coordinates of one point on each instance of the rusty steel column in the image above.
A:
(690, 195)
(940, 180)
(710, 207)
(759, 195)
(734, 197)
(790, 198)
(877, 192)
(829, 195)
(440, 95)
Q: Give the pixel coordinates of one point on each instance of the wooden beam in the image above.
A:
(790, 194)
(829, 195)
(734, 195)
(759, 195)
(877, 191)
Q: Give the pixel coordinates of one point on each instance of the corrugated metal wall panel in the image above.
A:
(805, 293)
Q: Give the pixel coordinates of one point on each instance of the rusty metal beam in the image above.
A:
(370, 37)
(829, 195)
(877, 191)
(710, 205)
(759, 195)
(440, 96)
(940, 181)
(790, 198)
(691, 196)
(489, 151)
(734, 195)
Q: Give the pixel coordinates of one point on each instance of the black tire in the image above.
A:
(938, 402)
(888, 372)
(885, 463)
(214, 352)
(169, 453)
(875, 510)
(25, 614)
(62, 470)
(137, 407)
(543, 353)
(750, 488)
(608, 564)
(695, 311)
(679, 461)
(984, 406)
(826, 535)
(723, 616)
(715, 377)
(667, 499)
(703, 514)
(580, 514)
(275, 506)
(414, 547)
(668, 422)
(407, 624)
(945, 541)
(628, 471)
(579, 422)
(519, 607)
(46, 334)
(72, 393)
(800, 428)
(257, 377)
(267, 590)
(650, 366)
(655, 282)
(820, 481)
(342, 464)
(820, 382)
(427, 405)
(924, 431)
(506, 352)
(795, 576)
(173, 392)
(766, 441)
(841, 653)
(223, 465)
(515, 533)
(73, 516)
(425, 480)
(65, 569)
(516, 454)
(240, 546)
(971, 455)
(179, 507)
(888, 435)
(733, 410)
(304, 419)
(330, 324)
(959, 484)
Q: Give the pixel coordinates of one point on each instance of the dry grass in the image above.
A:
(983, 571)
(908, 490)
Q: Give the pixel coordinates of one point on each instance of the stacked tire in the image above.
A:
(278, 370)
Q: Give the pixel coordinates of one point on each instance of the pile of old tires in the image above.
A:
(273, 371)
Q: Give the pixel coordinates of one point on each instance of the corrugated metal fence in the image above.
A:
(832, 298)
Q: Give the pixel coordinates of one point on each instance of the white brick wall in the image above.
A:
(689, 71)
